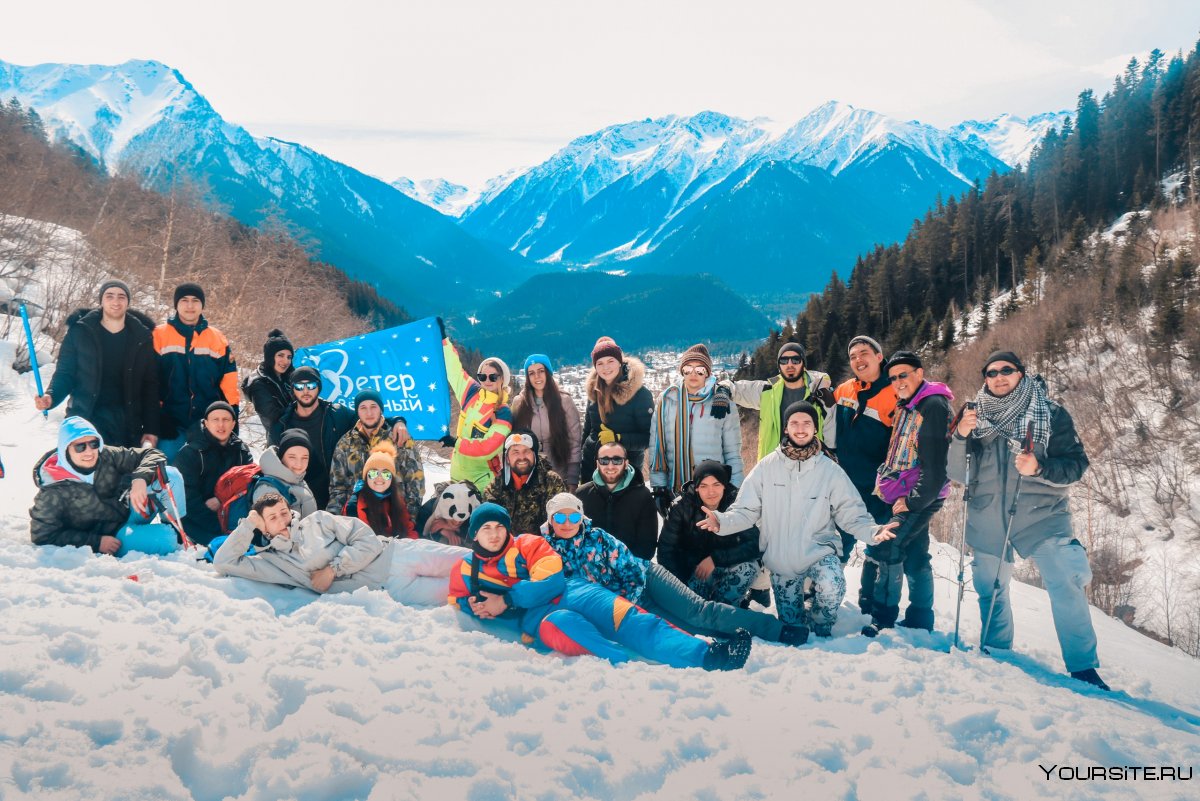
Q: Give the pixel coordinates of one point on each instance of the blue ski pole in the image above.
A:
(37, 374)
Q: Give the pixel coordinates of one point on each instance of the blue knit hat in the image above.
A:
(538, 358)
(367, 395)
(488, 513)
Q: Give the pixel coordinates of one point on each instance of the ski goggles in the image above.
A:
(562, 518)
(86, 445)
(304, 386)
(610, 460)
(519, 439)
(1001, 371)
(373, 474)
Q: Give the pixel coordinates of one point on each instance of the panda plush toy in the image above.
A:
(443, 516)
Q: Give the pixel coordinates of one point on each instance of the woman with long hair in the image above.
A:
(542, 408)
(269, 388)
(378, 499)
(619, 406)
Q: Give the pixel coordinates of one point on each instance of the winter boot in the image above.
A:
(884, 618)
(918, 619)
(762, 596)
(1091, 677)
(822, 630)
(728, 654)
(794, 635)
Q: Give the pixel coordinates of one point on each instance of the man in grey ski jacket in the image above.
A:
(1010, 407)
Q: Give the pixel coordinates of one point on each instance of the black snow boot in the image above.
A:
(918, 619)
(822, 630)
(794, 635)
(1091, 677)
(729, 654)
(762, 596)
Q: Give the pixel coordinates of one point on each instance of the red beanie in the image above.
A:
(605, 346)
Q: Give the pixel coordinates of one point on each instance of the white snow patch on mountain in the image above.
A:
(449, 198)
(1009, 137)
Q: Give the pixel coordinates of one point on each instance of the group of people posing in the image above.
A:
(547, 522)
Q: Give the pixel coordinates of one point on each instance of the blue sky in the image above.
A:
(469, 89)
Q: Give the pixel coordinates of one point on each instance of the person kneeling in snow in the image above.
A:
(103, 497)
(521, 579)
(330, 553)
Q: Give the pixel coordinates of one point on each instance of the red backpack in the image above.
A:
(235, 491)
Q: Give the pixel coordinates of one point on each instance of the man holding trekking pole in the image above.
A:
(1024, 455)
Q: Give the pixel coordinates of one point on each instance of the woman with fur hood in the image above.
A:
(619, 405)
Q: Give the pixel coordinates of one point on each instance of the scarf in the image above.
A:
(800, 453)
(1011, 415)
(681, 470)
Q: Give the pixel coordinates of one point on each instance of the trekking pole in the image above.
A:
(37, 374)
(1012, 512)
(962, 543)
(175, 520)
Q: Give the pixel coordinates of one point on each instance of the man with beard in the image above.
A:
(866, 406)
(526, 484)
(350, 455)
(618, 501)
(913, 480)
(799, 497)
(1009, 405)
(793, 384)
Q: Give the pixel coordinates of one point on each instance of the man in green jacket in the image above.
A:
(793, 384)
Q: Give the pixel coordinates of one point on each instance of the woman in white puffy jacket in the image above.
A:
(797, 496)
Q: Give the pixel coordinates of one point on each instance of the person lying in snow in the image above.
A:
(521, 579)
(330, 553)
(592, 554)
(103, 498)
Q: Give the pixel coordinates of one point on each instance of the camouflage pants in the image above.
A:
(829, 586)
(727, 585)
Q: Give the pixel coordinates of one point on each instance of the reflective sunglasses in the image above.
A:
(899, 376)
(86, 445)
(610, 460)
(374, 474)
(791, 360)
(304, 386)
(563, 517)
(488, 376)
(694, 371)
(1001, 371)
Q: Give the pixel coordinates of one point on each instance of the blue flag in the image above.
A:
(403, 364)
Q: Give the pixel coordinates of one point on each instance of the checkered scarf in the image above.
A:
(1011, 415)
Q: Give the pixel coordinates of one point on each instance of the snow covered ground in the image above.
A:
(187, 685)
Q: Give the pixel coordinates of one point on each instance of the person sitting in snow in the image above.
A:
(795, 496)
(592, 554)
(103, 498)
(1007, 404)
(521, 580)
(324, 553)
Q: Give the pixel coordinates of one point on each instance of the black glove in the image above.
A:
(663, 498)
(448, 440)
(722, 400)
(825, 396)
(442, 327)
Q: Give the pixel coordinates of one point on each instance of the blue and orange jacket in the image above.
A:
(865, 415)
(527, 571)
(195, 368)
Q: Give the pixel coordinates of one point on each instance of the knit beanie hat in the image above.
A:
(904, 357)
(697, 353)
(711, 467)
(1004, 356)
(563, 502)
(794, 348)
(307, 373)
(487, 513)
(537, 358)
(367, 395)
(605, 346)
(381, 457)
(276, 342)
(505, 373)
(113, 283)
(184, 290)
(292, 438)
(800, 407)
(863, 339)
(219, 406)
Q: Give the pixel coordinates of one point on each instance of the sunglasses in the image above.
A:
(791, 360)
(899, 376)
(610, 460)
(304, 386)
(86, 445)
(563, 517)
(1001, 371)
(694, 371)
(488, 376)
(374, 474)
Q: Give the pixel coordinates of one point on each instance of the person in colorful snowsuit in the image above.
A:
(484, 419)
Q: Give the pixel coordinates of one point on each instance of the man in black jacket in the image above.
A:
(107, 365)
(621, 505)
(211, 450)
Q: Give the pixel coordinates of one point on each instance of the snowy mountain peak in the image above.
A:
(1009, 137)
(449, 198)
